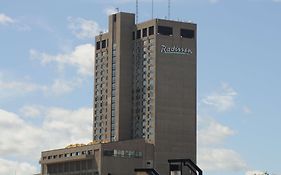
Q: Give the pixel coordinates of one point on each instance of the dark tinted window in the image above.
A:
(186, 33)
(151, 30)
(144, 32)
(108, 152)
(114, 18)
(103, 44)
(98, 45)
(163, 30)
(138, 34)
(134, 36)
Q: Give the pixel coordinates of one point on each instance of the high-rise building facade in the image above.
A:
(144, 100)
(113, 81)
(146, 85)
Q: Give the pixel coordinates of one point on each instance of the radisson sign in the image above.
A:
(175, 50)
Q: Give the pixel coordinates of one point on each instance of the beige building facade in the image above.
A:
(96, 159)
(144, 96)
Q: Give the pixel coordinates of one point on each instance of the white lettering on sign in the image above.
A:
(175, 50)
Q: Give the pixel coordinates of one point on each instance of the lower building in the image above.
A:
(116, 158)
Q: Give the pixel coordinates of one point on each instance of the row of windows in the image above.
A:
(71, 167)
(101, 130)
(123, 153)
(144, 108)
(144, 72)
(146, 130)
(100, 55)
(185, 33)
(113, 92)
(101, 77)
(99, 124)
(100, 137)
(102, 67)
(101, 44)
(143, 32)
(101, 104)
(101, 117)
(85, 152)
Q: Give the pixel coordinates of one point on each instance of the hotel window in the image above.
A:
(144, 32)
(138, 34)
(134, 36)
(187, 33)
(164, 30)
(103, 44)
(151, 30)
(98, 46)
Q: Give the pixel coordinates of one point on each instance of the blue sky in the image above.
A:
(46, 81)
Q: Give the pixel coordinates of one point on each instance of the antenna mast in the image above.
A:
(137, 11)
(152, 9)
(169, 9)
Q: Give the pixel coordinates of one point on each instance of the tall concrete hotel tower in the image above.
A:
(144, 100)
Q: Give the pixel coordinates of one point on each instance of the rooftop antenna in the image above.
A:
(137, 11)
(152, 9)
(169, 9)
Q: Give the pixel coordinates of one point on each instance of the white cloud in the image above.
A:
(31, 111)
(220, 159)
(61, 86)
(211, 135)
(83, 28)
(221, 100)
(25, 141)
(22, 138)
(211, 156)
(13, 167)
(18, 88)
(255, 172)
(110, 10)
(82, 57)
(68, 125)
(213, 132)
(4, 19)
